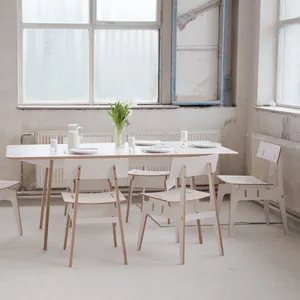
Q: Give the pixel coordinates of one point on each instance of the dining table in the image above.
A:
(41, 154)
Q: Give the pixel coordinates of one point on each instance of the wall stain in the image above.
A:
(230, 122)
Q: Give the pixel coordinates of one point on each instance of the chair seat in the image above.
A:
(5, 184)
(247, 180)
(136, 172)
(174, 195)
(93, 198)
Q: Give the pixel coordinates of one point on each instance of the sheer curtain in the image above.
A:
(56, 61)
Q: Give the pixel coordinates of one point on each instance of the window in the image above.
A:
(89, 52)
(288, 86)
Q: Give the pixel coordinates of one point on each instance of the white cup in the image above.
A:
(53, 145)
(131, 143)
(184, 137)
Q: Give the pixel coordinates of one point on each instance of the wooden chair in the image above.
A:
(6, 193)
(183, 204)
(82, 206)
(145, 179)
(248, 188)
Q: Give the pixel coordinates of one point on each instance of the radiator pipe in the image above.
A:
(22, 187)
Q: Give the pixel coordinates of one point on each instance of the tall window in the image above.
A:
(89, 51)
(288, 87)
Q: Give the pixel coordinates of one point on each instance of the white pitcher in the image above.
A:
(75, 133)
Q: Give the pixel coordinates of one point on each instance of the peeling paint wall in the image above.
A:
(14, 122)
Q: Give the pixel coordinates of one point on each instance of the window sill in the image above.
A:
(107, 107)
(279, 110)
(91, 107)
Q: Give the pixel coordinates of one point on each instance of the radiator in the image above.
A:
(290, 160)
(43, 137)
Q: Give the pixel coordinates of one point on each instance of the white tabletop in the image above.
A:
(107, 150)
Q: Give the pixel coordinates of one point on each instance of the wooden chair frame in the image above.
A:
(182, 212)
(72, 215)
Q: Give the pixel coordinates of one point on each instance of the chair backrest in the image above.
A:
(270, 167)
(195, 166)
(269, 152)
(95, 168)
(184, 168)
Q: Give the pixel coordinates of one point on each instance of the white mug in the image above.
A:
(53, 146)
(131, 143)
(184, 137)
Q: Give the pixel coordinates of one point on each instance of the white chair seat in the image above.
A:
(181, 204)
(251, 188)
(247, 180)
(11, 195)
(136, 172)
(174, 195)
(5, 184)
(96, 198)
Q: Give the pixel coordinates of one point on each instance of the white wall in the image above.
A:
(14, 122)
(257, 44)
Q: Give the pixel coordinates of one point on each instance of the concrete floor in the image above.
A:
(259, 262)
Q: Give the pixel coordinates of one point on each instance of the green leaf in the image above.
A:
(119, 113)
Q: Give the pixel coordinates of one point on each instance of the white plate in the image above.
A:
(146, 143)
(84, 151)
(157, 149)
(205, 144)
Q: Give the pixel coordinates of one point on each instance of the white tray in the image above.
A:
(205, 144)
(147, 142)
(84, 151)
(157, 149)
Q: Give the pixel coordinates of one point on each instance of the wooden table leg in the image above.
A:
(48, 205)
(44, 198)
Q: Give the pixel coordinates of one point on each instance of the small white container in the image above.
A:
(53, 146)
(74, 135)
(184, 138)
(131, 143)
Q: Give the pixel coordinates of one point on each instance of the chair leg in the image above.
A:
(114, 234)
(218, 235)
(199, 232)
(232, 213)
(165, 189)
(223, 189)
(142, 230)
(143, 199)
(13, 199)
(129, 199)
(123, 240)
(283, 213)
(267, 211)
(177, 232)
(44, 198)
(72, 243)
(66, 232)
(182, 241)
(65, 211)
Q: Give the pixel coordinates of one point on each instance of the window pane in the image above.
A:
(289, 66)
(126, 10)
(55, 66)
(55, 11)
(126, 65)
(289, 9)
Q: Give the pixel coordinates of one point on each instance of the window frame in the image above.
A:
(164, 69)
(282, 24)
